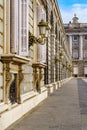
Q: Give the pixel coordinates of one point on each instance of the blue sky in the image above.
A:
(70, 7)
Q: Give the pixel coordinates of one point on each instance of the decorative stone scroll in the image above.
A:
(38, 75)
(9, 78)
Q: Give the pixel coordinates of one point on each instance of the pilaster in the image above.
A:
(7, 49)
(52, 58)
(81, 48)
(70, 41)
(14, 26)
(4, 26)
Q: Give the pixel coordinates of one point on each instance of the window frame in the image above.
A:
(85, 37)
(85, 54)
(75, 55)
(75, 39)
(19, 27)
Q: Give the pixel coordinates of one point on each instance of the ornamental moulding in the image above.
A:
(34, 40)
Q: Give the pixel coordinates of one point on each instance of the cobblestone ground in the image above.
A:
(65, 109)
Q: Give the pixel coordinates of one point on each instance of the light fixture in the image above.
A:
(42, 28)
(61, 55)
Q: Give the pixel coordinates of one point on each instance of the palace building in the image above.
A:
(34, 55)
(77, 39)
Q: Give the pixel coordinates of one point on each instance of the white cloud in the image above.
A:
(79, 9)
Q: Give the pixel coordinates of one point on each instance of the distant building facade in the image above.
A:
(77, 39)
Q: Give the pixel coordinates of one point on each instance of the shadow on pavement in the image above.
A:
(82, 93)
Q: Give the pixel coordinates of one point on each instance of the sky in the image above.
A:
(70, 7)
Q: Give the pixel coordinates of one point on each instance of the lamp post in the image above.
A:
(44, 28)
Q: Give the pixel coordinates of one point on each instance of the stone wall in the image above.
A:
(1, 46)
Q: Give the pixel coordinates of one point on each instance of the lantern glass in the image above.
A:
(47, 33)
(62, 56)
(42, 30)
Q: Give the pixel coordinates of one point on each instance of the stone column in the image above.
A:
(14, 25)
(70, 43)
(5, 25)
(39, 47)
(81, 48)
(52, 57)
(7, 49)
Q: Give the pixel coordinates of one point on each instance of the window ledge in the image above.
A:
(38, 65)
(14, 59)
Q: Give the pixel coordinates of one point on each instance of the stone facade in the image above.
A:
(56, 44)
(77, 39)
(2, 42)
(26, 67)
(21, 76)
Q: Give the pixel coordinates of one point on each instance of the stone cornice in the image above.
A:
(76, 33)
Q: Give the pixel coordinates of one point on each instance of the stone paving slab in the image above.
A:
(62, 110)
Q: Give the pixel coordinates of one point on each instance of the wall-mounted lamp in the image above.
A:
(44, 28)
(61, 55)
(70, 68)
(34, 40)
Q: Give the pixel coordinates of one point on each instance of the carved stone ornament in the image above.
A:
(10, 60)
(37, 74)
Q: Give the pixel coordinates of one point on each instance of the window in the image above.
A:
(85, 37)
(75, 55)
(19, 27)
(85, 55)
(24, 27)
(75, 37)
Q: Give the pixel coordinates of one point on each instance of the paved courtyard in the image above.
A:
(65, 109)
